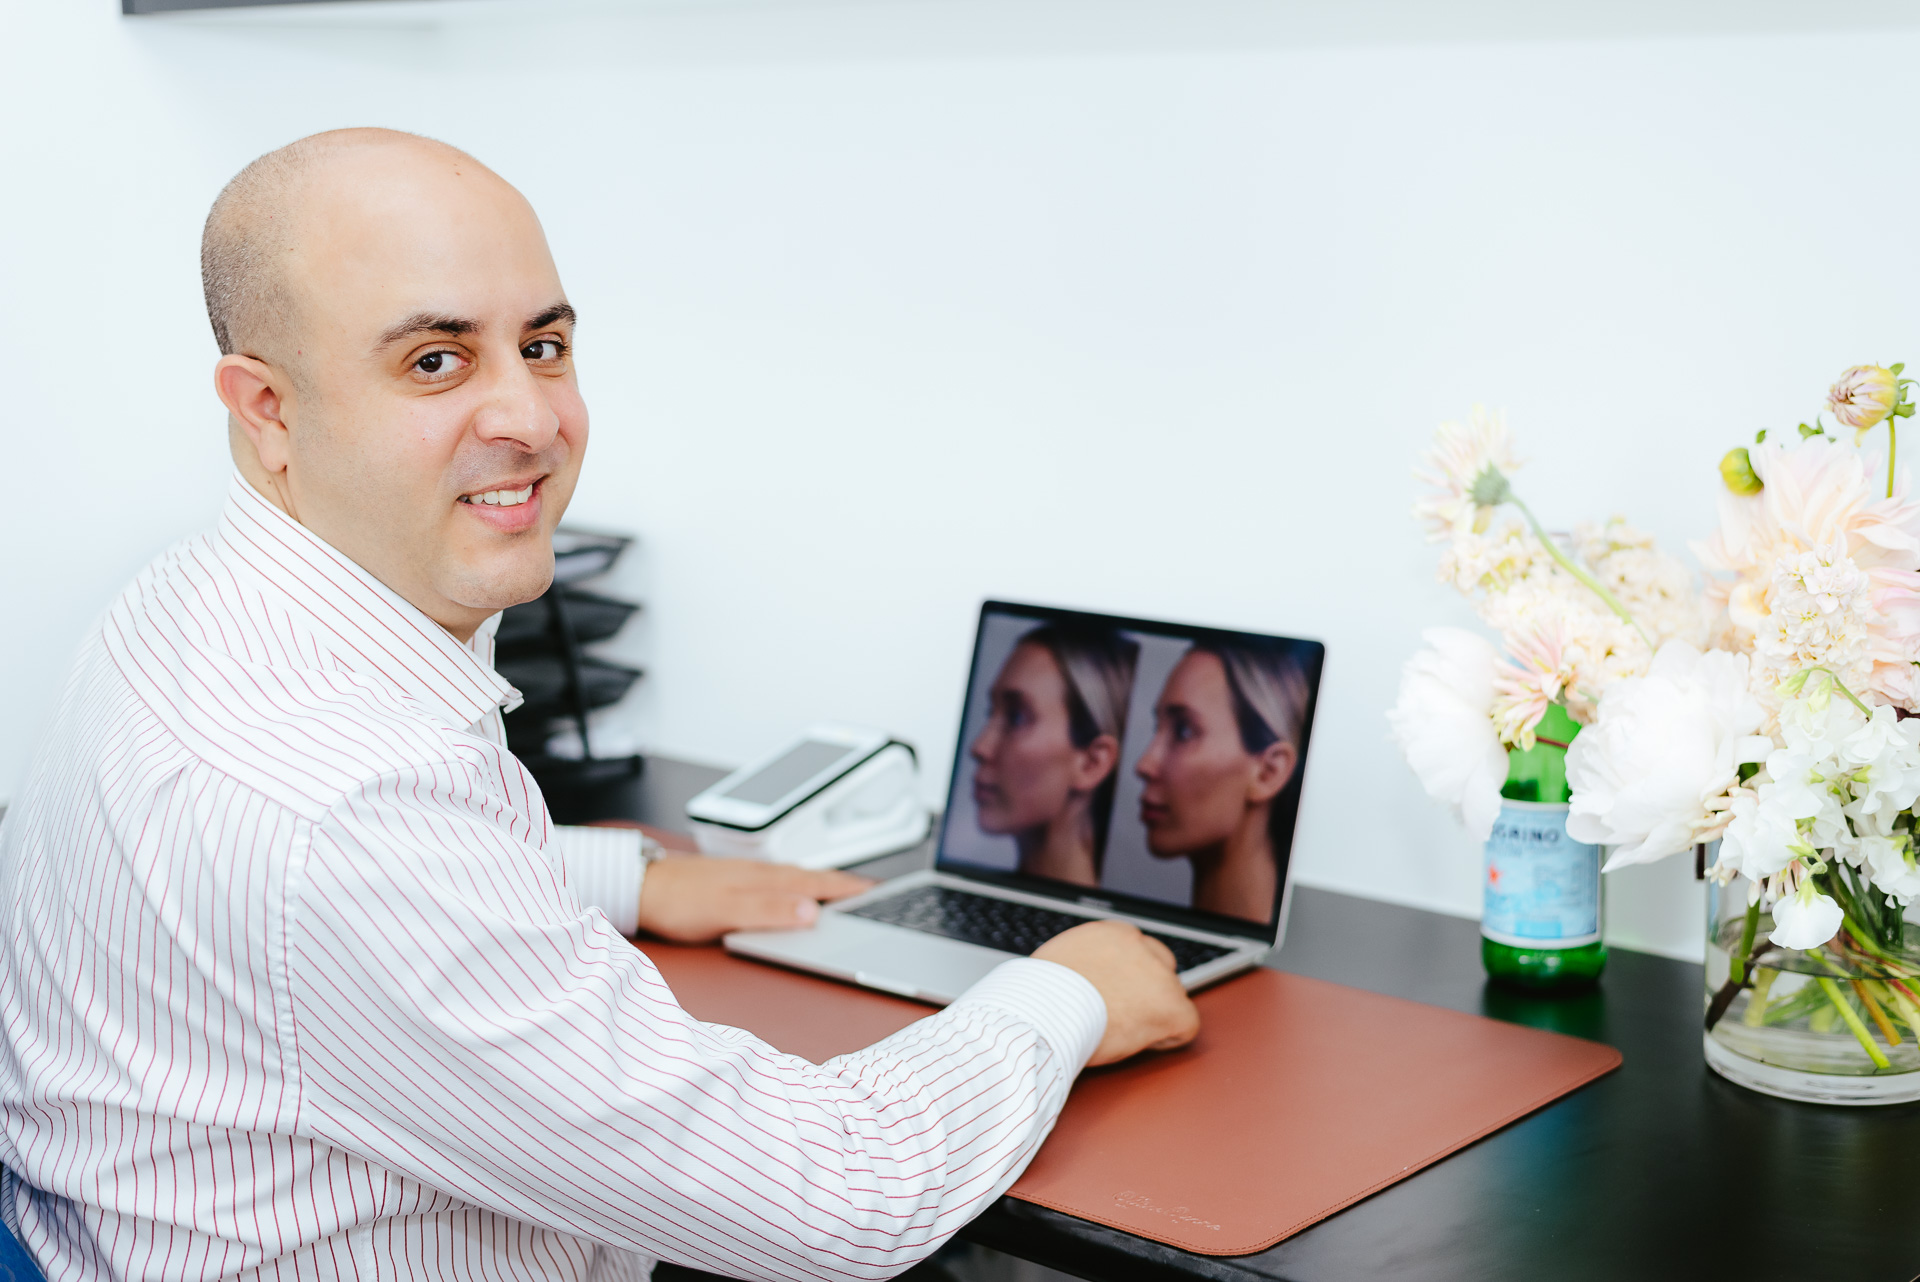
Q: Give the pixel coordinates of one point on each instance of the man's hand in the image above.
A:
(691, 899)
(1146, 1007)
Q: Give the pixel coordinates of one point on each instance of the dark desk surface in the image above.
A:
(1660, 1170)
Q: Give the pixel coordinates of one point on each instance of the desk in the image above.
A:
(1659, 1170)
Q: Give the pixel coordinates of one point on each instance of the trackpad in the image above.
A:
(890, 958)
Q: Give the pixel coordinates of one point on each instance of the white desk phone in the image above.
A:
(835, 796)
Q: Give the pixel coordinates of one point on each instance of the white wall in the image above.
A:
(1138, 306)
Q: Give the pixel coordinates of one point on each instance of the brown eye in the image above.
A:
(432, 362)
(545, 349)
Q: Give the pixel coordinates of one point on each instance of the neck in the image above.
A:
(273, 487)
(1061, 849)
(1238, 877)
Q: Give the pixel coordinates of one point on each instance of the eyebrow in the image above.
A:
(554, 315)
(456, 326)
(427, 323)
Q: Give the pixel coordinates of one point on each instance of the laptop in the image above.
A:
(1106, 768)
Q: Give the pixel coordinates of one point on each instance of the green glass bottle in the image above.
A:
(1540, 928)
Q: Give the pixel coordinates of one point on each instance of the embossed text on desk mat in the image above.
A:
(1299, 1099)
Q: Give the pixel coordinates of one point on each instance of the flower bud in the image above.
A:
(1736, 469)
(1864, 396)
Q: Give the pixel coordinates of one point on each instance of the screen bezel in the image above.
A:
(1314, 656)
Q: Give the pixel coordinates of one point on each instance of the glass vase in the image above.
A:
(1828, 1025)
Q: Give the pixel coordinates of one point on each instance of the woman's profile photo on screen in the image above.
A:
(1046, 759)
(1226, 744)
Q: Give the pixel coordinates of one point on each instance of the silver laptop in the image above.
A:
(1107, 768)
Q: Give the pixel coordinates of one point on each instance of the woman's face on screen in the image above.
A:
(1024, 758)
(1197, 776)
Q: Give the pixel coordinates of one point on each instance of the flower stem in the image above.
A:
(1841, 686)
(1757, 1004)
(1873, 1010)
(1860, 1033)
(1890, 448)
(1904, 1004)
(1866, 944)
(1566, 563)
(1737, 964)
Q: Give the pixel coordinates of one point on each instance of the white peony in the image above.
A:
(1664, 748)
(1444, 723)
(1805, 918)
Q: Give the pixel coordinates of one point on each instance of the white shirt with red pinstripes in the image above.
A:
(297, 982)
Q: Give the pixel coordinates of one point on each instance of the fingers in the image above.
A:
(1161, 953)
(833, 885)
(1188, 1029)
(828, 886)
(774, 910)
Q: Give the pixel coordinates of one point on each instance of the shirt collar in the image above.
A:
(378, 632)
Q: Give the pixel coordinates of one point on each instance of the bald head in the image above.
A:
(253, 230)
(397, 363)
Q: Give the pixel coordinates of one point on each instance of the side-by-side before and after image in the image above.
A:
(1133, 758)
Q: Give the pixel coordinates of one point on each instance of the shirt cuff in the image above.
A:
(604, 867)
(1061, 1003)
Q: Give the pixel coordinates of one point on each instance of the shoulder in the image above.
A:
(237, 677)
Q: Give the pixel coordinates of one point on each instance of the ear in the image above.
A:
(1093, 763)
(1271, 770)
(252, 391)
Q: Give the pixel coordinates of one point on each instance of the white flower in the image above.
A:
(1758, 842)
(1821, 496)
(1819, 615)
(1444, 723)
(1664, 749)
(1804, 918)
(1882, 758)
(1890, 863)
(1657, 589)
(1461, 453)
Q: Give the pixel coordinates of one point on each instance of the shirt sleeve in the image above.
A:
(463, 1022)
(605, 869)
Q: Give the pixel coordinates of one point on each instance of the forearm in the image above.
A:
(514, 1053)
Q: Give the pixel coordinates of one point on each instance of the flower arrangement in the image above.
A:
(1769, 712)
(1575, 617)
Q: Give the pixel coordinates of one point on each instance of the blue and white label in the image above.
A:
(1543, 887)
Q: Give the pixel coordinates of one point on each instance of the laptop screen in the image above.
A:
(1149, 767)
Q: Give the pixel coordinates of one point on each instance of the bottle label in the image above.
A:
(1542, 887)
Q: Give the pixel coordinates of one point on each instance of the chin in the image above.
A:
(505, 580)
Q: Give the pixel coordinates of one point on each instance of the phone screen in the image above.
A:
(788, 771)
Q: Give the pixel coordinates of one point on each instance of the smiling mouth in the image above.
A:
(501, 498)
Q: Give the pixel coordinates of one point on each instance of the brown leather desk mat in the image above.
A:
(1298, 1099)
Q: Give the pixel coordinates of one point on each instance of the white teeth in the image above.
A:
(502, 498)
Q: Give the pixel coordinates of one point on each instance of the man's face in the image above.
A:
(434, 426)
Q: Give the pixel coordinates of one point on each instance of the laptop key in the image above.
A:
(1000, 923)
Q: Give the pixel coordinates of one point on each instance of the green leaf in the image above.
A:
(1806, 431)
(1761, 437)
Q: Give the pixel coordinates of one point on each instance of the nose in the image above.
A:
(1148, 767)
(979, 750)
(516, 409)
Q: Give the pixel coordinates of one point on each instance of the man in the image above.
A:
(299, 978)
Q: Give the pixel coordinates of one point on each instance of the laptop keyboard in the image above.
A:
(1000, 923)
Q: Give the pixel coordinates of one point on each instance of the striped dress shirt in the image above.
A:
(299, 980)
